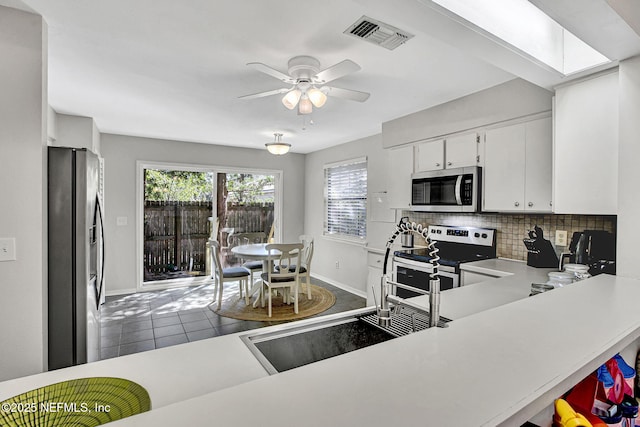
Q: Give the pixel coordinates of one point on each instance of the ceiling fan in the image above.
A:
(305, 77)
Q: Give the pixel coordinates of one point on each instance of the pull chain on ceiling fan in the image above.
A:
(305, 76)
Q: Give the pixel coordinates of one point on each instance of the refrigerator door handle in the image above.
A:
(98, 217)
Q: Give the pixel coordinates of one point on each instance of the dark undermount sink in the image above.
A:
(292, 347)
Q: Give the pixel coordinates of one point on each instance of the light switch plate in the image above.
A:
(561, 237)
(8, 249)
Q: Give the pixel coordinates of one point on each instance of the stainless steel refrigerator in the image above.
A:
(76, 260)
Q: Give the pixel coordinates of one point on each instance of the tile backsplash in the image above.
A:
(512, 228)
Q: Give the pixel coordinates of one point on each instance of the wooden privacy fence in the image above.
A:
(250, 218)
(176, 235)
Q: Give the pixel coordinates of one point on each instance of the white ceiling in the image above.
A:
(174, 70)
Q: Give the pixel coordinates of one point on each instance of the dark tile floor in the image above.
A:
(149, 320)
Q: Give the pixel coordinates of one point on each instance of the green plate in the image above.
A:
(82, 402)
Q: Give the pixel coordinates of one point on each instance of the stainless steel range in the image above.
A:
(456, 245)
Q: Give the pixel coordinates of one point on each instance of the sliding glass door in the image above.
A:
(183, 207)
(177, 210)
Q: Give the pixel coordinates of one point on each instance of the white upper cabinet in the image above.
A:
(517, 168)
(586, 147)
(429, 156)
(454, 152)
(539, 165)
(400, 170)
(504, 165)
(461, 151)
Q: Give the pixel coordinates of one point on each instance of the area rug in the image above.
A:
(234, 307)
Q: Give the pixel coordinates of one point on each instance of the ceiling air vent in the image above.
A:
(378, 33)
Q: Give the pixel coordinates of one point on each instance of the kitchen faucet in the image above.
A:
(384, 310)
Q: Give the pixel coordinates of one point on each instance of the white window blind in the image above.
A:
(346, 199)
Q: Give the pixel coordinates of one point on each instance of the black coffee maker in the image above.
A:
(595, 248)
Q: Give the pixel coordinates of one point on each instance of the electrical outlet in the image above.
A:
(8, 249)
(561, 237)
(337, 265)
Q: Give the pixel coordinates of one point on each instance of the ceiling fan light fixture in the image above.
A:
(305, 106)
(277, 147)
(317, 97)
(290, 100)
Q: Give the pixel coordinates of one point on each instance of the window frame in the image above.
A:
(361, 225)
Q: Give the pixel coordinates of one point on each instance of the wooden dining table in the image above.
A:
(256, 252)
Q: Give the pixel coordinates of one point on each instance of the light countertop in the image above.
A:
(496, 367)
(170, 374)
(514, 284)
(504, 358)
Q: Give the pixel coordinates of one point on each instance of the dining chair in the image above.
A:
(284, 256)
(230, 274)
(248, 239)
(305, 268)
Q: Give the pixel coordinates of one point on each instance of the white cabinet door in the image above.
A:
(400, 170)
(429, 156)
(461, 151)
(504, 168)
(586, 147)
(375, 262)
(538, 169)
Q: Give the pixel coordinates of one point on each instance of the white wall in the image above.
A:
(120, 156)
(77, 132)
(628, 170)
(513, 99)
(352, 257)
(23, 133)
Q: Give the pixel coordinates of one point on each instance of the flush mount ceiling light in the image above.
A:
(305, 76)
(278, 147)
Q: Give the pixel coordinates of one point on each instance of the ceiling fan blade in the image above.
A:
(271, 71)
(263, 94)
(336, 71)
(353, 95)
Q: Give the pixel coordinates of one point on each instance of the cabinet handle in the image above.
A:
(449, 163)
(437, 164)
(516, 204)
(530, 204)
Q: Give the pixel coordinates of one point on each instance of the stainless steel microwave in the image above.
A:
(447, 190)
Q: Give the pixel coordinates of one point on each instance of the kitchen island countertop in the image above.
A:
(496, 364)
(169, 374)
(497, 367)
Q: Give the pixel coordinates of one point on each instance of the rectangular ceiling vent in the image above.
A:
(378, 33)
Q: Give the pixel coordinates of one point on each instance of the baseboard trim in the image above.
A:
(340, 285)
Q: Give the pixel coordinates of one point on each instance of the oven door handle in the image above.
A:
(459, 190)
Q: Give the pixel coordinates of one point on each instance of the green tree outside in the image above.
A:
(185, 186)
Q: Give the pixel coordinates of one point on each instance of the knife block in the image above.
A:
(541, 253)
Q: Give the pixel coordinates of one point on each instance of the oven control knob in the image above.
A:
(476, 235)
(484, 235)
